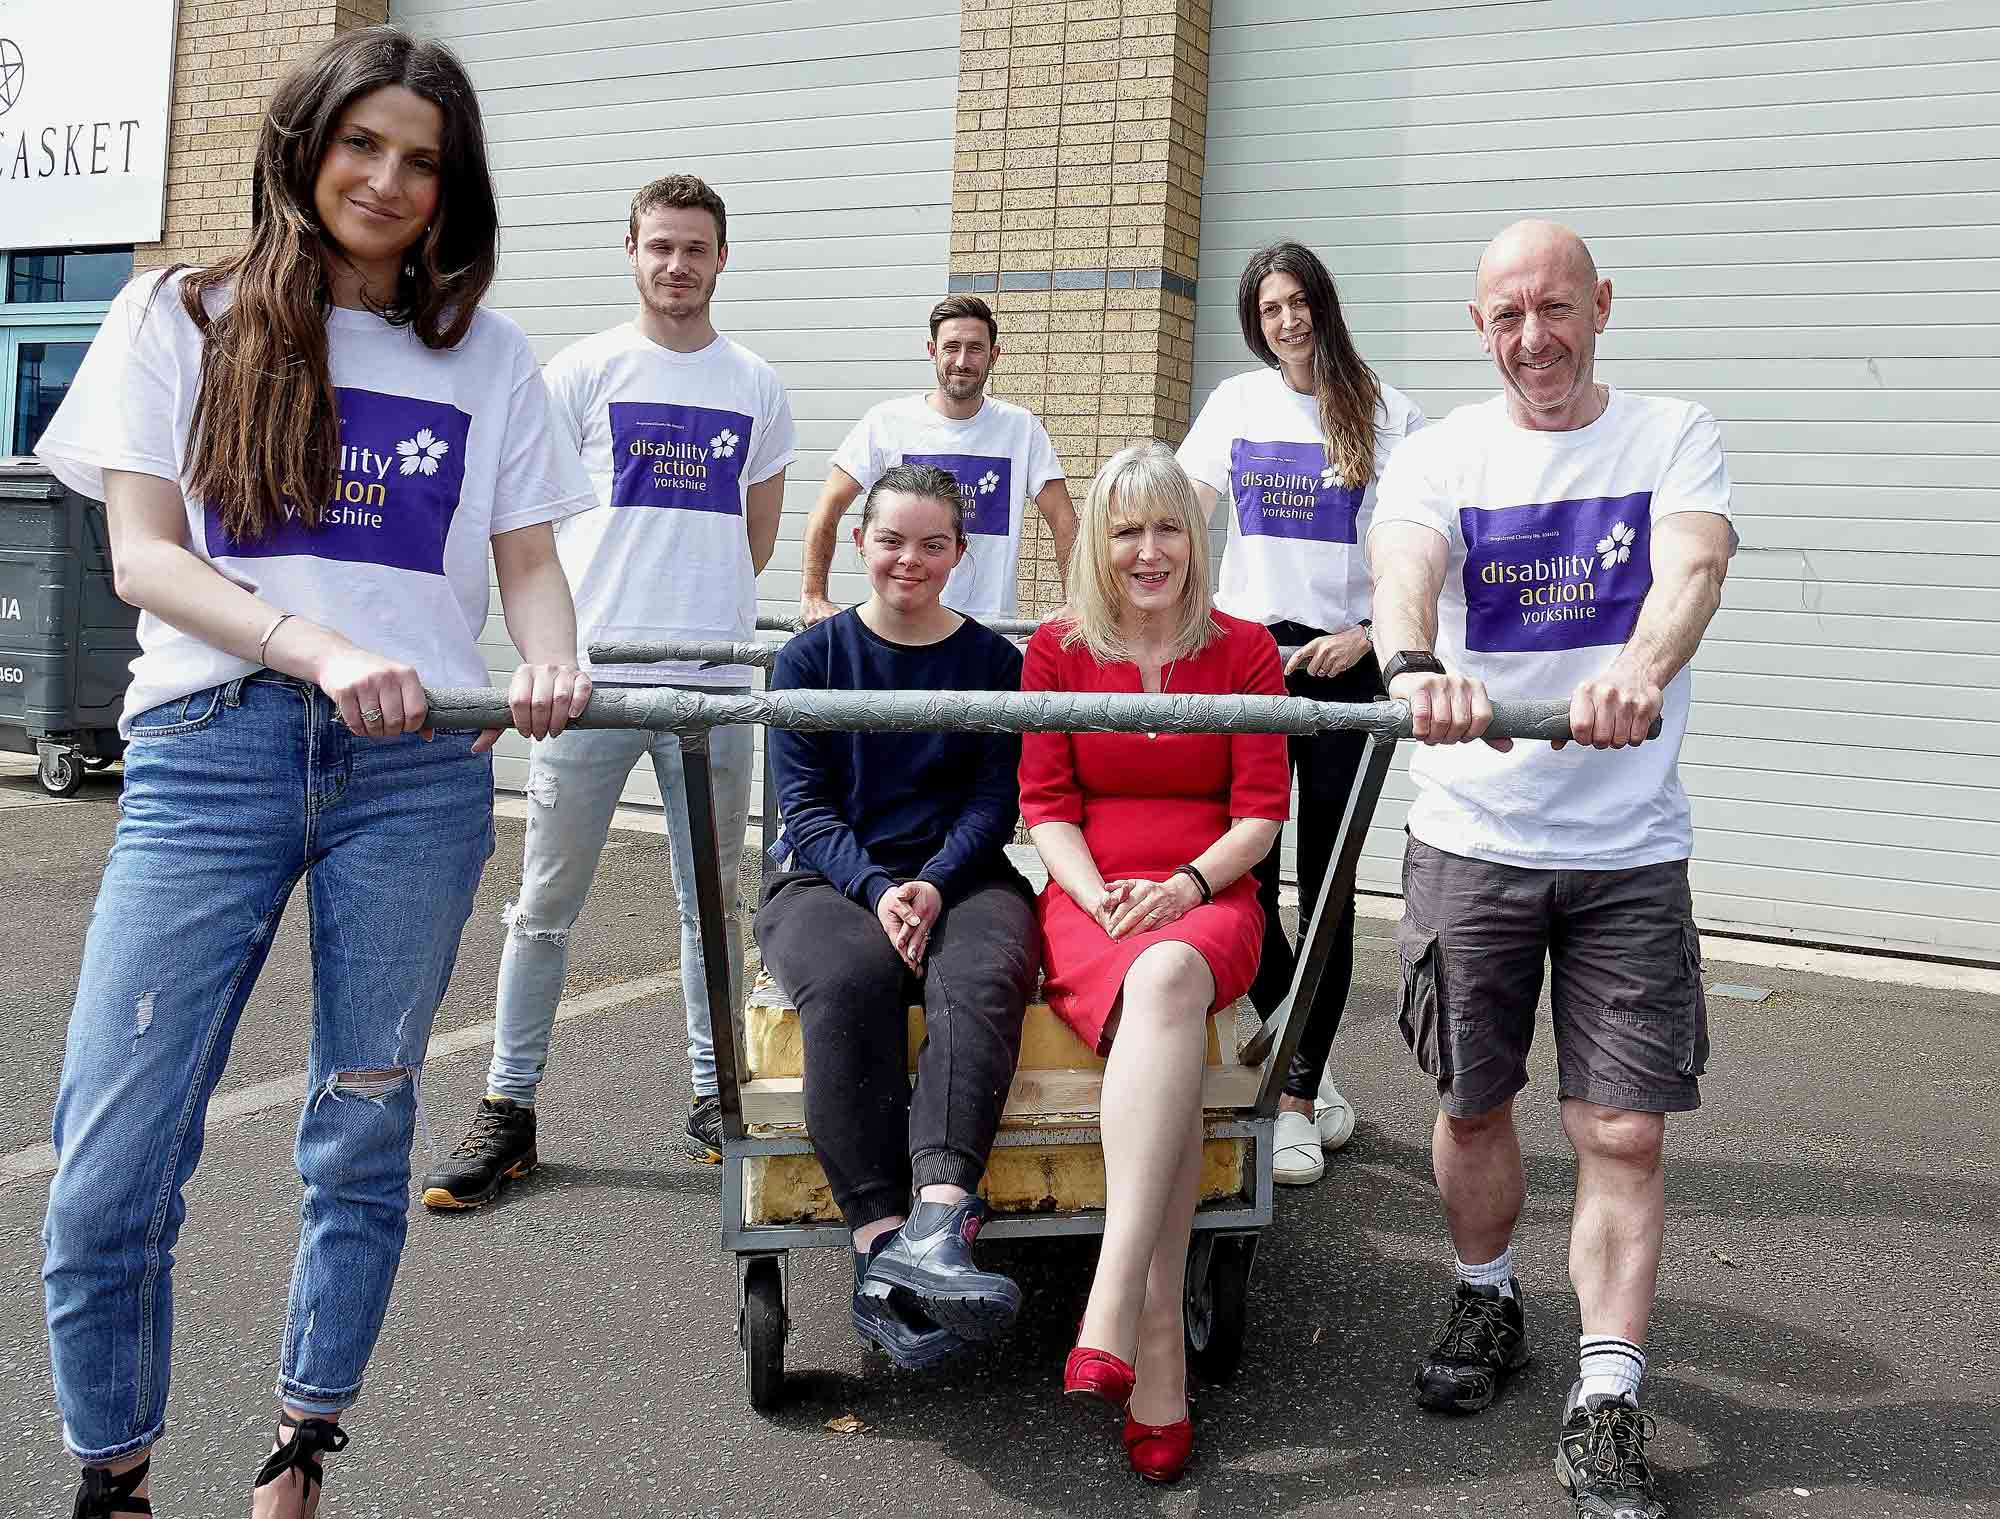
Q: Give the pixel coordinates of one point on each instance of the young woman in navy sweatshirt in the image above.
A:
(900, 889)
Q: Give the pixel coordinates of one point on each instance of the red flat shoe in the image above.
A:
(1159, 1452)
(1097, 1376)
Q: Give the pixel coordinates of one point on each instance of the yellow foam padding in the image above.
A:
(773, 1045)
(791, 1189)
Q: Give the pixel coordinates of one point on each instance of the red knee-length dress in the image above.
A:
(1147, 805)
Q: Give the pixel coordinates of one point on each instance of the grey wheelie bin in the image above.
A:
(65, 637)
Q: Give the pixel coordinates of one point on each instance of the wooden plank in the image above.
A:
(779, 1100)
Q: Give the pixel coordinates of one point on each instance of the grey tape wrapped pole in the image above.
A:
(663, 709)
(1006, 627)
(693, 650)
(712, 652)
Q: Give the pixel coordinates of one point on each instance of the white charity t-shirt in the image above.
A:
(1550, 536)
(1295, 530)
(673, 442)
(1000, 457)
(440, 451)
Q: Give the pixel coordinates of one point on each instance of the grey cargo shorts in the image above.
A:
(1631, 1021)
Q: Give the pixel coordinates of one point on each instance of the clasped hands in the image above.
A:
(908, 913)
(1128, 906)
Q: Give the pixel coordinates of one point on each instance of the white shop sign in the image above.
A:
(83, 121)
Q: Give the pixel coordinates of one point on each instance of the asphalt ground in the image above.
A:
(1827, 1341)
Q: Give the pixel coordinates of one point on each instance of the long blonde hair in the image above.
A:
(1142, 482)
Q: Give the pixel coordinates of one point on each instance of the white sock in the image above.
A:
(1495, 1273)
(1610, 1365)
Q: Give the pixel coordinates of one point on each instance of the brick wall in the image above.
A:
(227, 57)
(1076, 210)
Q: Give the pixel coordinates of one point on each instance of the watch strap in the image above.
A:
(1411, 661)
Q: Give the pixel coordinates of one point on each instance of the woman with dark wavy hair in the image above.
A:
(306, 453)
(1297, 445)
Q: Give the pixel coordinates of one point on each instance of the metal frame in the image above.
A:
(691, 714)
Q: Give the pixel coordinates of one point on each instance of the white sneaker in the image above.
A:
(1296, 1160)
(1333, 1115)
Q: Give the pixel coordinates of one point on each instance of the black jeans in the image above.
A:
(876, 1139)
(1326, 764)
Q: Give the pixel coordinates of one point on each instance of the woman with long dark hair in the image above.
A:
(1297, 446)
(306, 453)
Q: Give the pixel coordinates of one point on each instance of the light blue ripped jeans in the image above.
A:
(573, 784)
(231, 795)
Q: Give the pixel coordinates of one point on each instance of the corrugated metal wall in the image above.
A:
(1799, 207)
(826, 129)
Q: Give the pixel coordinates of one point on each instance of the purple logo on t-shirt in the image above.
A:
(402, 467)
(689, 457)
(1555, 575)
(1286, 490)
(985, 484)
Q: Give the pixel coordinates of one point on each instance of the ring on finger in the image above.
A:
(371, 714)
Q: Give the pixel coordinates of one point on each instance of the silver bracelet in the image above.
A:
(265, 642)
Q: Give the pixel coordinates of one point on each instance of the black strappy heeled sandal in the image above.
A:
(103, 1495)
(311, 1438)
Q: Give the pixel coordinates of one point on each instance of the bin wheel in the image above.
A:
(59, 772)
(1218, 1305)
(762, 1332)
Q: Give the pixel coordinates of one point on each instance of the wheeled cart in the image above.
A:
(1050, 1109)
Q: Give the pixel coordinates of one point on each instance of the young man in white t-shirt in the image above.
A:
(1563, 538)
(999, 454)
(686, 436)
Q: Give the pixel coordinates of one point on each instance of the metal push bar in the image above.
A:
(666, 709)
(692, 713)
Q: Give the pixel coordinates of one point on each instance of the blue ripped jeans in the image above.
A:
(231, 795)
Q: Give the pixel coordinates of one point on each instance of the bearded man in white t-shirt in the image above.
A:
(999, 454)
(686, 436)
(1562, 538)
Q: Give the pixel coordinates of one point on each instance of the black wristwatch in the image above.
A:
(1411, 662)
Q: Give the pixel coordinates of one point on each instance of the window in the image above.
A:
(47, 278)
(51, 303)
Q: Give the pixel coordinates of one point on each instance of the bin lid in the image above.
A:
(28, 480)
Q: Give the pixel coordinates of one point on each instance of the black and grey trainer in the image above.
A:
(703, 1139)
(1483, 1342)
(1601, 1459)
(500, 1146)
(893, 1322)
(930, 1258)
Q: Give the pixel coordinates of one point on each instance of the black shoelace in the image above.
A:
(1473, 1328)
(1614, 1447)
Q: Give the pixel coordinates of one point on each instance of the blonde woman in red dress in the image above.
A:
(1150, 922)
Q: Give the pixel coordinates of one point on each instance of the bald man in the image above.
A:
(1562, 538)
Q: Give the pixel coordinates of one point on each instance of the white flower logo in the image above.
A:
(1616, 547)
(723, 444)
(1326, 479)
(989, 482)
(421, 453)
